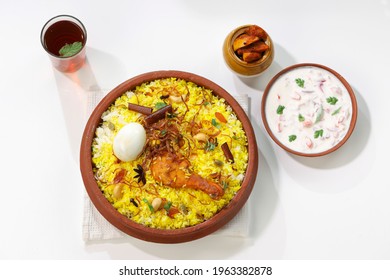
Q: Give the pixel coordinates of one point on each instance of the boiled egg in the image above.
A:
(129, 141)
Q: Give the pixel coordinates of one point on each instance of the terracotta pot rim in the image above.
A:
(162, 235)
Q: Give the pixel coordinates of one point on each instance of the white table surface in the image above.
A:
(334, 207)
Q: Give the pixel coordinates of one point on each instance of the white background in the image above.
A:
(334, 207)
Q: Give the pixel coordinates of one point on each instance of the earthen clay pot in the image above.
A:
(240, 67)
(162, 235)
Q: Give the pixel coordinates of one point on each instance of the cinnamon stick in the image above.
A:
(158, 115)
(140, 109)
(226, 151)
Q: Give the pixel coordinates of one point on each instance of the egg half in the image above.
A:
(129, 141)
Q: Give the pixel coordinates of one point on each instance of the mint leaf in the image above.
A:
(300, 82)
(160, 105)
(301, 118)
(280, 109)
(332, 100)
(70, 49)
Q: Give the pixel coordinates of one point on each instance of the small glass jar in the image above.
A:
(60, 31)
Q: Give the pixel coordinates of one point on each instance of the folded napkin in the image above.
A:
(96, 227)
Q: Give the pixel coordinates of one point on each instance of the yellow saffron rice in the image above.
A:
(193, 104)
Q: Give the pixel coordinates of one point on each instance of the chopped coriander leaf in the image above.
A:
(160, 105)
(300, 82)
(292, 138)
(280, 109)
(336, 111)
(332, 100)
(70, 49)
(301, 118)
(318, 133)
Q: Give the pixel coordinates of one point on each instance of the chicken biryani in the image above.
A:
(169, 154)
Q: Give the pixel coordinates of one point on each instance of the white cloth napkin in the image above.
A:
(96, 227)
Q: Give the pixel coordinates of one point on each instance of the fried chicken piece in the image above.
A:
(173, 171)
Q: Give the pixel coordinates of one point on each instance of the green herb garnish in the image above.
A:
(225, 185)
(280, 109)
(215, 123)
(160, 105)
(70, 49)
(149, 205)
(320, 115)
(332, 100)
(167, 205)
(300, 82)
(210, 146)
(292, 138)
(336, 111)
(301, 118)
(318, 133)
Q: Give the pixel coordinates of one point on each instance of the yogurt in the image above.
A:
(308, 109)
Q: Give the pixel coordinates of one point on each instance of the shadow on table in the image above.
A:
(352, 148)
(319, 174)
(73, 91)
(340, 170)
(263, 203)
(282, 60)
(264, 199)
